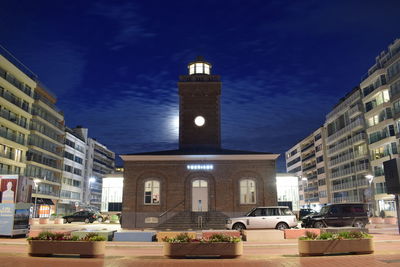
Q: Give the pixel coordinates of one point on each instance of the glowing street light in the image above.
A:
(36, 183)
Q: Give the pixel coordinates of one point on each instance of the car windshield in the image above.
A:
(324, 210)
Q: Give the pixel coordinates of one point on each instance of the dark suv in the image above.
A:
(338, 215)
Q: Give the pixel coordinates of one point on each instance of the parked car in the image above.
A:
(81, 216)
(304, 212)
(338, 215)
(277, 217)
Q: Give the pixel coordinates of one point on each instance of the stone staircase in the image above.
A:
(187, 220)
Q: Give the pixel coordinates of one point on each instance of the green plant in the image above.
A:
(223, 238)
(335, 236)
(181, 238)
(185, 238)
(46, 235)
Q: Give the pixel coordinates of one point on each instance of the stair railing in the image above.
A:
(200, 222)
(168, 210)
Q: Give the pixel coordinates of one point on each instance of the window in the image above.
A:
(152, 192)
(67, 168)
(320, 159)
(247, 191)
(78, 159)
(69, 143)
(78, 171)
(321, 182)
(68, 155)
(321, 170)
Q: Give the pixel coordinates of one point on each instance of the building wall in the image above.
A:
(175, 179)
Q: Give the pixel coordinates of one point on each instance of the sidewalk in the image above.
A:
(13, 253)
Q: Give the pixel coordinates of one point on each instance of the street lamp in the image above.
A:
(91, 180)
(370, 178)
(36, 183)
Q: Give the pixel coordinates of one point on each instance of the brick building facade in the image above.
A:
(200, 179)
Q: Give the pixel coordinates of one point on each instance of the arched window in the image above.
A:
(152, 192)
(247, 191)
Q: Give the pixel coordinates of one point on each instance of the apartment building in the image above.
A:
(99, 161)
(46, 151)
(16, 95)
(347, 152)
(71, 196)
(306, 160)
(381, 99)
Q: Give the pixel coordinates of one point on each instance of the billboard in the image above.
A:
(8, 188)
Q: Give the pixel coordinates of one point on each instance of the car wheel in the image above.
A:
(358, 224)
(319, 225)
(86, 220)
(69, 220)
(100, 219)
(238, 226)
(282, 226)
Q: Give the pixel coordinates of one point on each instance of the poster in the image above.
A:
(8, 188)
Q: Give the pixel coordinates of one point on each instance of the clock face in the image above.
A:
(199, 121)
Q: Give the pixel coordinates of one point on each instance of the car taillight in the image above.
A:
(94, 216)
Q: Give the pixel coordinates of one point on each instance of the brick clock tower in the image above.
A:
(199, 107)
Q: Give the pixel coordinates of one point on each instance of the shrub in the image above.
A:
(46, 235)
(185, 238)
(334, 236)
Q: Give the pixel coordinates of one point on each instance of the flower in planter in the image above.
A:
(335, 236)
(46, 235)
(185, 238)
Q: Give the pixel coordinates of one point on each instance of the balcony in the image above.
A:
(359, 138)
(7, 171)
(47, 193)
(354, 110)
(343, 158)
(348, 128)
(309, 156)
(12, 80)
(15, 100)
(352, 184)
(14, 119)
(343, 172)
(310, 188)
(6, 133)
(309, 167)
(307, 147)
(313, 199)
(342, 105)
(346, 199)
(362, 167)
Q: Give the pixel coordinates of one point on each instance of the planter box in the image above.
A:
(36, 232)
(296, 233)
(43, 220)
(58, 221)
(83, 248)
(321, 247)
(390, 220)
(196, 249)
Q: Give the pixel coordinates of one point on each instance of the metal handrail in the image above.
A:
(168, 210)
(200, 222)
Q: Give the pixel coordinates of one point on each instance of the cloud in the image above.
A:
(128, 21)
(60, 65)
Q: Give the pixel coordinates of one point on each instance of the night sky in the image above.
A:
(114, 65)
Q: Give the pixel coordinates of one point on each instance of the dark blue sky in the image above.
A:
(114, 65)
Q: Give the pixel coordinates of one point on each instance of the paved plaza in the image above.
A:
(13, 253)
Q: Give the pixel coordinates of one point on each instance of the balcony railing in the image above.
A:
(310, 188)
(343, 172)
(354, 110)
(352, 184)
(12, 136)
(309, 167)
(346, 199)
(48, 193)
(12, 80)
(362, 167)
(7, 171)
(342, 105)
(307, 147)
(15, 100)
(356, 123)
(313, 199)
(15, 119)
(346, 157)
(309, 156)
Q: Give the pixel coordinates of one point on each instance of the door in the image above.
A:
(199, 196)
(257, 219)
(273, 217)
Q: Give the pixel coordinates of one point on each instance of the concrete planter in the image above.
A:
(195, 249)
(390, 220)
(58, 221)
(85, 249)
(321, 247)
(376, 220)
(296, 233)
(43, 220)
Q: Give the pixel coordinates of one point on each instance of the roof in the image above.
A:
(201, 151)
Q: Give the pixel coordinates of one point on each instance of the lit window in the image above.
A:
(206, 69)
(152, 192)
(199, 183)
(247, 191)
(199, 67)
(191, 69)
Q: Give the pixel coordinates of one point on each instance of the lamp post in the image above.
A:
(91, 180)
(370, 178)
(36, 183)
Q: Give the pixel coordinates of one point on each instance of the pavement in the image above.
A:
(13, 253)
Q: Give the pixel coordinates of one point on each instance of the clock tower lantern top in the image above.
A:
(199, 66)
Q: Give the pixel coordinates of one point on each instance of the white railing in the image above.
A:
(343, 172)
(344, 104)
(353, 184)
(358, 122)
(346, 157)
